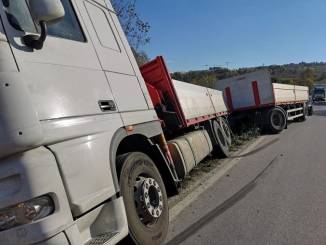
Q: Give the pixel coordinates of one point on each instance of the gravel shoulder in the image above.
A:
(205, 174)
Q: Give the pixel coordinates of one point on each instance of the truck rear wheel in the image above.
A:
(221, 146)
(276, 120)
(144, 197)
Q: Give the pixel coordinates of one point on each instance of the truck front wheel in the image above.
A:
(144, 197)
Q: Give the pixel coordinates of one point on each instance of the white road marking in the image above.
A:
(207, 183)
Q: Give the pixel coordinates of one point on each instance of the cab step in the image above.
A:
(102, 239)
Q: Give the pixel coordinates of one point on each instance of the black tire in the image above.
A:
(275, 120)
(310, 110)
(221, 146)
(305, 114)
(136, 170)
(226, 130)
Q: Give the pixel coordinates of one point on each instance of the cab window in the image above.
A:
(69, 27)
(20, 18)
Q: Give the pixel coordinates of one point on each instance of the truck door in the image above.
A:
(65, 76)
(73, 100)
(115, 56)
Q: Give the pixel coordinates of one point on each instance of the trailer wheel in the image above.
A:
(221, 146)
(144, 197)
(276, 120)
(310, 110)
(305, 114)
(226, 130)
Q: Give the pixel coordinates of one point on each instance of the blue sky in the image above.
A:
(191, 34)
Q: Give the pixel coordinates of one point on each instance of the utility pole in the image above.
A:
(228, 63)
(212, 66)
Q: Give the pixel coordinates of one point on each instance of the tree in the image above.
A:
(136, 29)
(308, 77)
(207, 80)
(322, 76)
(140, 56)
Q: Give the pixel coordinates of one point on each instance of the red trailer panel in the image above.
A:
(157, 77)
(180, 104)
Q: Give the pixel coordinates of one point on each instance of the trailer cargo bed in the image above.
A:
(177, 103)
(290, 94)
(256, 90)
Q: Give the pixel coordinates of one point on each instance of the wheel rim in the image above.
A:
(226, 129)
(148, 200)
(221, 136)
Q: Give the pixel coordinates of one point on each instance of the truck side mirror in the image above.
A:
(44, 12)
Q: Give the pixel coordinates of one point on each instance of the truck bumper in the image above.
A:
(24, 177)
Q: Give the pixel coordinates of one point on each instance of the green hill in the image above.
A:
(301, 74)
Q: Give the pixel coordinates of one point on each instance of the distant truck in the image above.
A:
(319, 93)
(271, 105)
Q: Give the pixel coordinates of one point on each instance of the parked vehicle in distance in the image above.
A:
(89, 149)
(270, 105)
(319, 93)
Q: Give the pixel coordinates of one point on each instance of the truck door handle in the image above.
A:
(107, 105)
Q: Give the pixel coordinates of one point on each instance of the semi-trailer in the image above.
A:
(90, 149)
(193, 118)
(270, 105)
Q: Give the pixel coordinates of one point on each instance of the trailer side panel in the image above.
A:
(194, 100)
(248, 91)
(290, 94)
(255, 90)
(301, 93)
(218, 101)
(284, 93)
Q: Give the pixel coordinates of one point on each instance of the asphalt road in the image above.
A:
(276, 195)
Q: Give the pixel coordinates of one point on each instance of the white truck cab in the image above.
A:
(72, 100)
(90, 145)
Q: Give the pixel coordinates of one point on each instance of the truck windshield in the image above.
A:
(20, 18)
(319, 91)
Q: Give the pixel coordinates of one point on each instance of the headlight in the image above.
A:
(26, 212)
